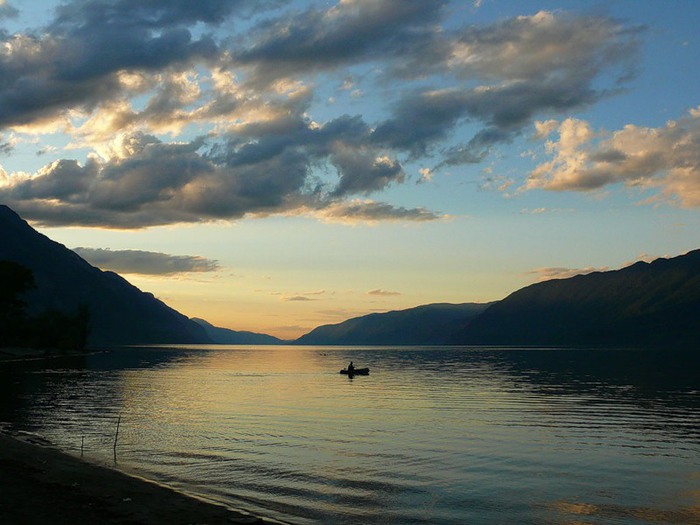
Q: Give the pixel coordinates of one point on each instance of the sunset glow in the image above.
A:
(275, 166)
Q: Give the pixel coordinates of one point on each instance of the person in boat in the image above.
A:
(351, 368)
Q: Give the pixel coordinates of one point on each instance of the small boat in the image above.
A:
(356, 372)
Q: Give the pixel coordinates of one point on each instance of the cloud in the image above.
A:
(363, 171)
(79, 61)
(534, 211)
(365, 211)
(133, 82)
(511, 72)
(548, 273)
(145, 263)
(425, 118)
(7, 146)
(644, 257)
(498, 183)
(514, 70)
(384, 293)
(263, 169)
(543, 210)
(153, 13)
(426, 175)
(314, 295)
(544, 129)
(352, 31)
(664, 160)
(544, 45)
(7, 10)
(343, 143)
(77, 66)
(154, 183)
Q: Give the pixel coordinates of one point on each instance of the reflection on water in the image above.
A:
(433, 435)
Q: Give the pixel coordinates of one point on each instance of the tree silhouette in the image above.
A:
(52, 329)
(15, 279)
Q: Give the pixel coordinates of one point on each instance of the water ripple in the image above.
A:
(446, 435)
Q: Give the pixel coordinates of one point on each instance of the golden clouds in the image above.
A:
(664, 159)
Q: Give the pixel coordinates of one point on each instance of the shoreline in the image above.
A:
(41, 484)
(19, 354)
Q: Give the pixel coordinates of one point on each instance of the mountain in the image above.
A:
(655, 303)
(422, 325)
(119, 312)
(644, 304)
(224, 336)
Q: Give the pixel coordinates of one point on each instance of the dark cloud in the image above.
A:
(424, 119)
(475, 150)
(145, 263)
(344, 143)
(30, 87)
(364, 172)
(145, 188)
(371, 211)
(545, 46)
(7, 10)
(509, 73)
(265, 154)
(153, 13)
(157, 183)
(349, 32)
(75, 61)
(149, 182)
(6, 147)
(609, 155)
(62, 180)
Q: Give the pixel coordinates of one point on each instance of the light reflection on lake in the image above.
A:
(433, 435)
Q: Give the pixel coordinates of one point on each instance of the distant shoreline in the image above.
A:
(35, 354)
(41, 484)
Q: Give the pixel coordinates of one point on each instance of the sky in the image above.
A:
(277, 165)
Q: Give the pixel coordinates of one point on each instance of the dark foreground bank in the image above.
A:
(42, 485)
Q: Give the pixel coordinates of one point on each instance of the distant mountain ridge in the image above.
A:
(644, 304)
(120, 313)
(422, 325)
(225, 336)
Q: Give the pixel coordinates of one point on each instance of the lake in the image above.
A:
(448, 435)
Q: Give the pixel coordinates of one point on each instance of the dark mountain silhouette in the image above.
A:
(49, 330)
(644, 304)
(422, 325)
(119, 312)
(225, 336)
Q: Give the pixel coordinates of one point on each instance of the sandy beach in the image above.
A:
(40, 484)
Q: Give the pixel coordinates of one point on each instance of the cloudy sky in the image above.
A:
(275, 165)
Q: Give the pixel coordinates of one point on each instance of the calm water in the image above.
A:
(433, 435)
